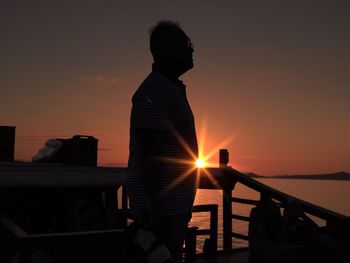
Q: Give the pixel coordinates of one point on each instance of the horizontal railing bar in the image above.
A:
(205, 208)
(244, 201)
(200, 232)
(47, 239)
(239, 217)
(240, 236)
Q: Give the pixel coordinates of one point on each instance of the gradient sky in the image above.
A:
(274, 75)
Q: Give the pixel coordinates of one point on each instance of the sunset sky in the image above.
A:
(272, 75)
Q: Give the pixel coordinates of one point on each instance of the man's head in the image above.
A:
(171, 47)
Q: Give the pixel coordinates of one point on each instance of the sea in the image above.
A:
(330, 194)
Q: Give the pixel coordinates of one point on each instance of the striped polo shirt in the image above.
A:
(161, 103)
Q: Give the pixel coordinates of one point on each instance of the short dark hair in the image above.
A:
(161, 33)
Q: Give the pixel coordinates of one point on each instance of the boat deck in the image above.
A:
(236, 256)
(24, 185)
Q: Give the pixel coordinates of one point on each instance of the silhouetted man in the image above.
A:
(163, 142)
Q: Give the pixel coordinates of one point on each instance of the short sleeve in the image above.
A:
(151, 110)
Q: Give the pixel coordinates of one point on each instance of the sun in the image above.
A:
(200, 163)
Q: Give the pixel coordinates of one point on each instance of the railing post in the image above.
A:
(124, 198)
(223, 158)
(214, 228)
(190, 245)
(226, 203)
(227, 218)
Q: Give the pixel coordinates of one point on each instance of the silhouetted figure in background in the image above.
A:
(161, 125)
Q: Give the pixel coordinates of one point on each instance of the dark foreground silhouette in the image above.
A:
(294, 237)
(161, 124)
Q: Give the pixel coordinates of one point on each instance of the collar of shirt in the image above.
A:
(159, 69)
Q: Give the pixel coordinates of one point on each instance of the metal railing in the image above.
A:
(224, 178)
(228, 173)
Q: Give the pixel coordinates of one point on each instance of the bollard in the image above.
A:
(223, 157)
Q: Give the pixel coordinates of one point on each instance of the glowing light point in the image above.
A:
(200, 163)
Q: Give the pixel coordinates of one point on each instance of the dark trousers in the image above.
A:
(172, 232)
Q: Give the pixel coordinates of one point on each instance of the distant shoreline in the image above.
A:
(339, 176)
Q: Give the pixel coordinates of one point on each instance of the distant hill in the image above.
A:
(253, 175)
(330, 176)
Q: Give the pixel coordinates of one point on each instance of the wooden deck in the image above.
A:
(235, 256)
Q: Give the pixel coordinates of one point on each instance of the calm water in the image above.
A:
(334, 195)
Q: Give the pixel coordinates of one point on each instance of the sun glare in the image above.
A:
(200, 163)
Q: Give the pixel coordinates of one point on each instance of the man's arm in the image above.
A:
(148, 141)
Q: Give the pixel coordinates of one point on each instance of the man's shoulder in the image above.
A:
(155, 79)
(156, 83)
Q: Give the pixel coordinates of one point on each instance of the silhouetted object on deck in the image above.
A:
(78, 150)
(48, 152)
(144, 245)
(7, 143)
(223, 157)
(293, 236)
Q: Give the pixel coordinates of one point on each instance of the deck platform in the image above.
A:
(235, 255)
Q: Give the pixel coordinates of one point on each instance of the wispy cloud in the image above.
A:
(92, 79)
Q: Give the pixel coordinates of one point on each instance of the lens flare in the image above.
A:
(200, 163)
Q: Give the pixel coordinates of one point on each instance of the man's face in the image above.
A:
(179, 53)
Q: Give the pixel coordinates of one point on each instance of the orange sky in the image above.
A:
(274, 77)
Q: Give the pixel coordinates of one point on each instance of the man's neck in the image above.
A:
(165, 71)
